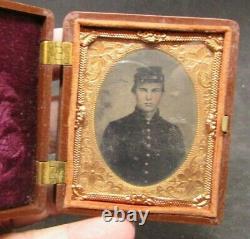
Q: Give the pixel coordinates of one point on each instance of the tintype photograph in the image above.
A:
(145, 116)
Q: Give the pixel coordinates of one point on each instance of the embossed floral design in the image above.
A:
(140, 199)
(151, 37)
(102, 53)
(113, 187)
(198, 59)
(188, 183)
(92, 174)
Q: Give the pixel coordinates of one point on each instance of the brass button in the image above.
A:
(148, 155)
(146, 163)
(146, 172)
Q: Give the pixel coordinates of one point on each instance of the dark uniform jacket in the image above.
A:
(142, 152)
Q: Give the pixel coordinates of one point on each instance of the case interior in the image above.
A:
(19, 58)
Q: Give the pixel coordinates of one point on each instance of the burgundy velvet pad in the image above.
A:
(19, 53)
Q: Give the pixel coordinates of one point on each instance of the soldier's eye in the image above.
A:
(156, 90)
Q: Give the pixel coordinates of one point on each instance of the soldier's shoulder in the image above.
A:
(122, 122)
(168, 125)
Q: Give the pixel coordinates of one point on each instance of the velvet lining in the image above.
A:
(19, 53)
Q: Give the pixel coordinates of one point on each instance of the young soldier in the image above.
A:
(143, 148)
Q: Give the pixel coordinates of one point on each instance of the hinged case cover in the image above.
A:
(24, 108)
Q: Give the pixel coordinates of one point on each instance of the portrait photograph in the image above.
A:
(145, 116)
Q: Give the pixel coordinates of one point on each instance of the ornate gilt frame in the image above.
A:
(99, 42)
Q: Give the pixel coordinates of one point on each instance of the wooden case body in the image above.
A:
(210, 210)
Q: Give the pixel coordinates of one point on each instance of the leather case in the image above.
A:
(103, 159)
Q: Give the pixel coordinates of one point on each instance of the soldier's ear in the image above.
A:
(133, 89)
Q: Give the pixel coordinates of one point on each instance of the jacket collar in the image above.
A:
(140, 115)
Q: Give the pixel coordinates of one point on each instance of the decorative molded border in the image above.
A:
(204, 72)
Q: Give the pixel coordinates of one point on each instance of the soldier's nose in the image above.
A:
(148, 96)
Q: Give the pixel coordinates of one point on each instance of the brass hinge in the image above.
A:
(225, 124)
(50, 172)
(56, 53)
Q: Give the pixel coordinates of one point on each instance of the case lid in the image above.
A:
(25, 106)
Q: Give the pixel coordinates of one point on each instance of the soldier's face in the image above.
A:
(148, 96)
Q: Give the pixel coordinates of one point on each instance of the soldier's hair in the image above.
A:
(151, 74)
